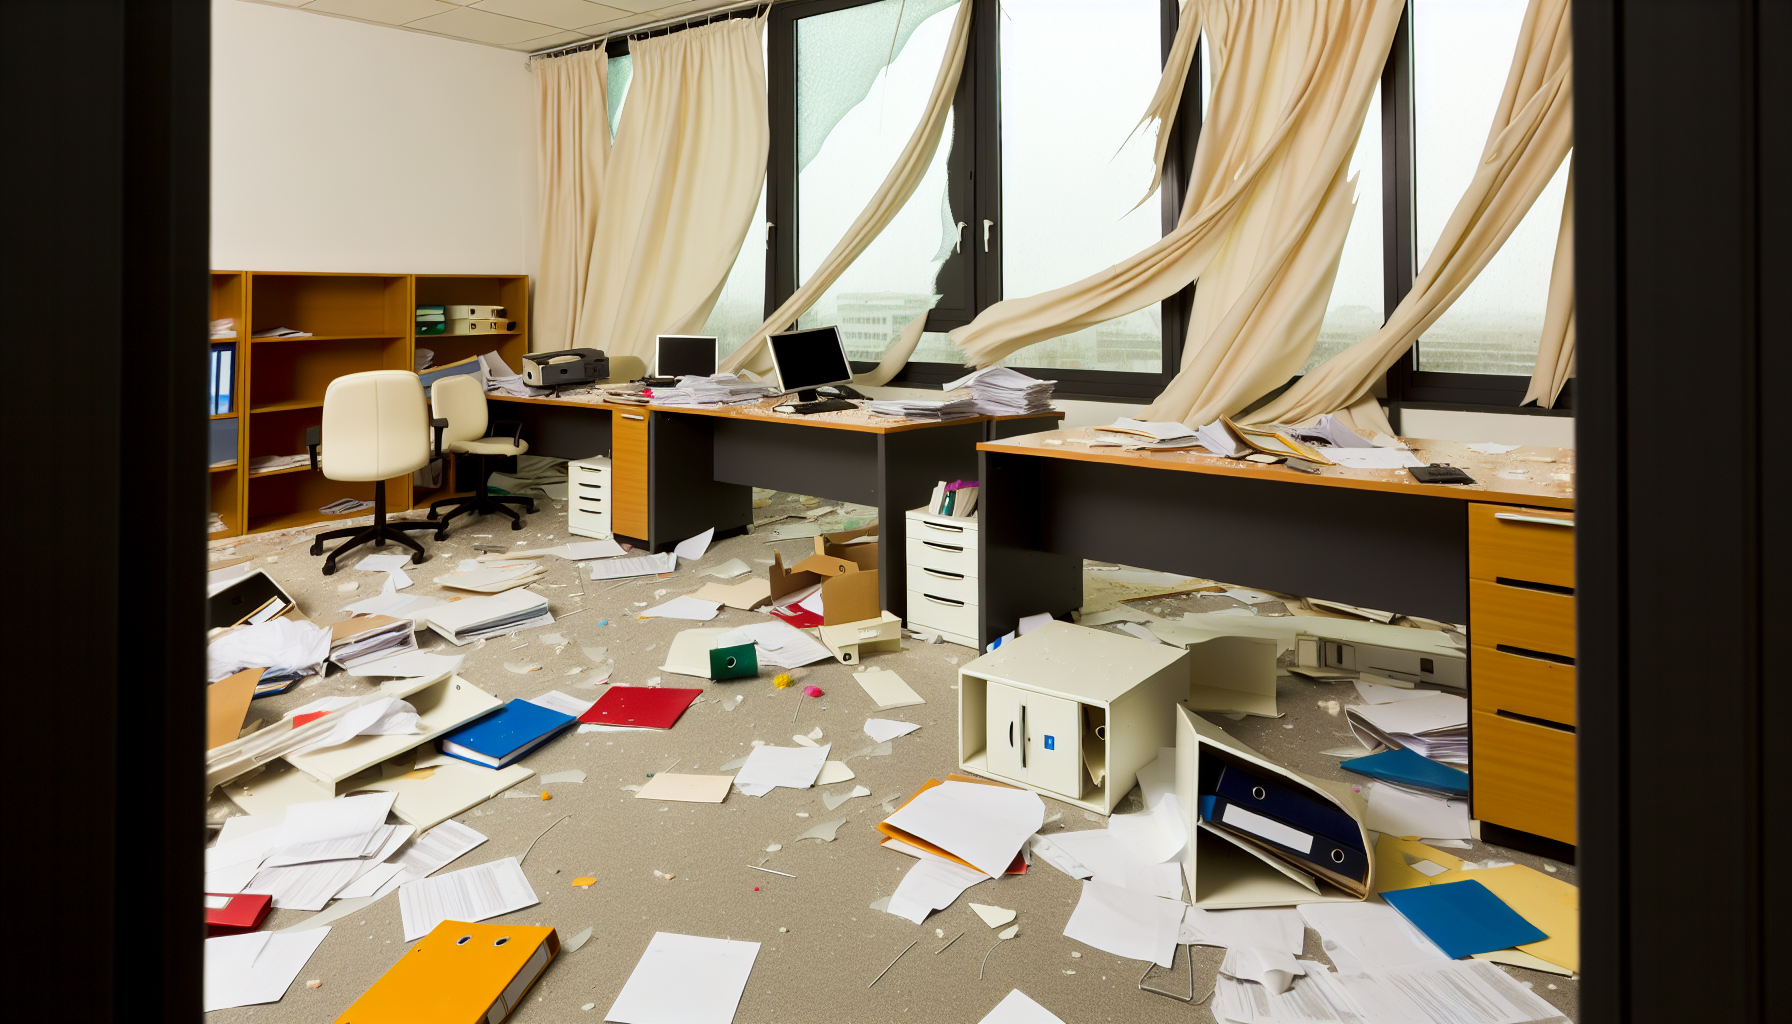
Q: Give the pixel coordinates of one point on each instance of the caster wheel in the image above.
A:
(318, 548)
(516, 524)
(418, 558)
(329, 568)
(441, 535)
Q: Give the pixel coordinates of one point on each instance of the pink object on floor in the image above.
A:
(811, 691)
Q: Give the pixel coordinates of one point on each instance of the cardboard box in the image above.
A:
(847, 574)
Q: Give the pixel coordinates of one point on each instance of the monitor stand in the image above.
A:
(807, 395)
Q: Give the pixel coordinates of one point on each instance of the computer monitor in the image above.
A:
(806, 360)
(684, 355)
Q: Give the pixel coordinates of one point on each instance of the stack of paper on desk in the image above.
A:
(363, 639)
(923, 409)
(1216, 438)
(476, 618)
(496, 577)
(1149, 431)
(1000, 391)
(1434, 726)
(716, 389)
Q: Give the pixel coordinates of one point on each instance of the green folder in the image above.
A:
(733, 662)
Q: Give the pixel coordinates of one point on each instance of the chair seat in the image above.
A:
(502, 446)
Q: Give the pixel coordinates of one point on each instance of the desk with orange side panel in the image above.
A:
(1497, 555)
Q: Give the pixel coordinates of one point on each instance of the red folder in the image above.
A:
(650, 707)
(240, 912)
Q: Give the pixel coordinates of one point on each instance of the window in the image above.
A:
(1014, 204)
(1358, 292)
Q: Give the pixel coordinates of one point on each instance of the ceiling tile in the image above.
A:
(482, 27)
(558, 13)
(640, 6)
(557, 39)
(384, 12)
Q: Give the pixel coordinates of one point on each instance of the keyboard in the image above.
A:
(825, 405)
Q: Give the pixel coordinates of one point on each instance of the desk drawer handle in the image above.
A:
(946, 529)
(944, 600)
(1519, 517)
(944, 547)
(1533, 720)
(943, 575)
(632, 416)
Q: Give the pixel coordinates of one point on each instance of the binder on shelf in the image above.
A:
(459, 973)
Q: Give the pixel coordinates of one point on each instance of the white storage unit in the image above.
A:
(942, 576)
(588, 494)
(1070, 711)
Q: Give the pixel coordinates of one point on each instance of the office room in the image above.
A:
(1245, 511)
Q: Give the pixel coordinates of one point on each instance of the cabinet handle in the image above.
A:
(1023, 735)
(944, 547)
(1011, 734)
(632, 416)
(1519, 517)
(944, 575)
(944, 529)
(948, 602)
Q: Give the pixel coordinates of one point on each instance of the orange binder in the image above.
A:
(459, 973)
(1019, 867)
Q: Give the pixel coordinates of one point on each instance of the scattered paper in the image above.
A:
(691, 550)
(727, 570)
(564, 703)
(883, 729)
(1103, 855)
(685, 979)
(833, 800)
(1373, 458)
(984, 825)
(634, 565)
(745, 595)
(995, 917)
(769, 767)
(409, 665)
(571, 775)
(1017, 1008)
(1402, 812)
(1491, 448)
(1125, 923)
(1381, 693)
(470, 894)
(1279, 928)
(702, 789)
(1371, 935)
(776, 643)
(833, 772)
(579, 939)
(256, 967)
(887, 689)
(824, 831)
(684, 608)
(932, 884)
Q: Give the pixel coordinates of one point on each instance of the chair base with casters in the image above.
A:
(480, 502)
(379, 533)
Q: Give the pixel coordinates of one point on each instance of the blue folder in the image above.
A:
(1463, 918)
(1405, 768)
(505, 735)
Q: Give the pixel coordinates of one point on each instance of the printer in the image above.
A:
(565, 368)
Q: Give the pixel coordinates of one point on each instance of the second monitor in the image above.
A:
(684, 355)
(806, 360)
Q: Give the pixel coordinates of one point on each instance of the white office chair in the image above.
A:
(460, 402)
(375, 427)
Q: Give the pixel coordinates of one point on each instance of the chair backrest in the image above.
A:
(460, 400)
(375, 426)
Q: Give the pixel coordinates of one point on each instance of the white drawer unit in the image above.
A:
(1069, 711)
(589, 489)
(941, 554)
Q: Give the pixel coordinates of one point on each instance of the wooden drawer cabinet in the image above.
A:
(1525, 545)
(628, 475)
(1523, 776)
(1521, 669)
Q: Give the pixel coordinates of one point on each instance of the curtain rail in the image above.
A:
(640, 30)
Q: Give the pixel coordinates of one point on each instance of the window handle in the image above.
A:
(958, 244)
(987, 224)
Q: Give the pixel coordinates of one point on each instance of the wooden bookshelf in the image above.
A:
(229, 299)
(357, 322)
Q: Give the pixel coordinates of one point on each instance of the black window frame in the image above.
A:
(971, 280)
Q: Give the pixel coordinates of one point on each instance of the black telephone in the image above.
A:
(1439, 474)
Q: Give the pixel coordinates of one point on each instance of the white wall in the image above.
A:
(1505, 428)
(342, 146)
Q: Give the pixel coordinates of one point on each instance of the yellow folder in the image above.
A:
(459, 973)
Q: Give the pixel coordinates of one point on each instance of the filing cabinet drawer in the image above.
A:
(929, 609)
(1524, 544)
(1530, 619)
(1525, 686)
(1523, 776)
(944, 556)
(628, 462)
(960, 534)
(963, 591)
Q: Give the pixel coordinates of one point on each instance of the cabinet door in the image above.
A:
(1004, 738)
(628, 474)
(1054, 727)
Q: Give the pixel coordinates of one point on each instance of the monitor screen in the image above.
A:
(810, 359)
(684, 355)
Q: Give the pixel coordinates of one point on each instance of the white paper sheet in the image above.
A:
(390, 602)
(693, 548)
(1018, 1008)
(431, 852)
(984, 825)
(388, 716)
(769, 767)
(634, 565)
(383, 563)
(727, 570)
(777, 643)
(565, 703)
(1373, 458)
(470, 894)
(1382, 693)
(1492, 448)
(1113, 862)
(887, 689)
(1402, 812)
(304, 886)
(1126, 923)
(580, 551)
(883, 730)
(255, 967)
(1279, 928)
(311, 825)
(685, 607)
(685, 979)
(1373, 934)
(932, 884)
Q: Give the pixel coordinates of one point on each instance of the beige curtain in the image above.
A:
(682, 183)
(1555, 349)
(904, 177)
(572, 140)
(1267, 197)
(1530, 136)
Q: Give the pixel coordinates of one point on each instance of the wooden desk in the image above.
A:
(679, 470)
(1496, 555)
